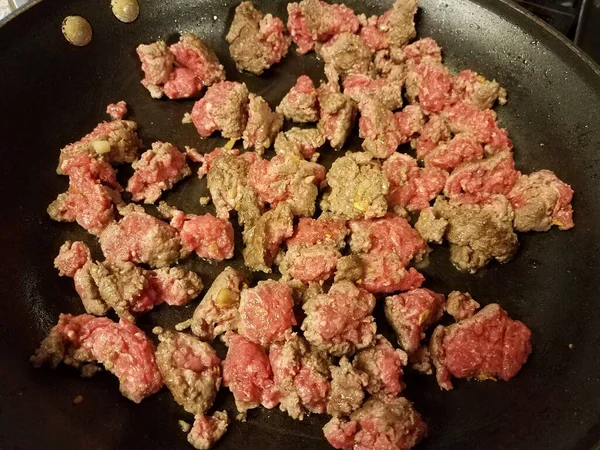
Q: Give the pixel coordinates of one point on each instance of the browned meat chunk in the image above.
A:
(379, 129)
(435, 132)
(256, 41)
(300, 142)
(263, 125)
(387, 92)
(88, 291)
(348, 55)
(207, 430)
(300, 104)
(72, 256)
(398, 24)
(175, 286)
(337, 112)
(157, 64)
(346, 393)
(461, 305)
(471, 87)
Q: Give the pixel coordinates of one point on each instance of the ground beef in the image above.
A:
(409, 122)
(256, 41)
(113, 142)
(473, 88)
(156, 171)
(346, 393)
(370, 32)
(477, 233)
(429, 83)
(358, 187)
(175, 286)
(477, 180)
(421, 360)
(194, 55)
(430, 227)
(347, 54)
(489, 345)
(218, 311)
(461, 305)
(385, 425)
(337, 112)
(263, 125)
(326, 231)
(463, 148)
(207, 430)
(223, 108)
(398, 23)
(182, 84)
(248, 375)
(87, 289)
(387, 92)
(541, 200)
(287, 179)
(411, 187)
(350, 268)
(72, 256)
(300, 104)
(117, 111)
(312, 21)
(262, 240)
(157, 64)
(383, 365)
(140, 238)
(378, 128)
(267, 312)
(190, 368)
(91, 197)
(123, 349)
(435, 132)
(411, 313)
(300, 142)
(301, 376)
(340, 321)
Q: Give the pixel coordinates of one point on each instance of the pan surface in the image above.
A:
(52, 93)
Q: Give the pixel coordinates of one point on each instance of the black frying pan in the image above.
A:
(51, 93)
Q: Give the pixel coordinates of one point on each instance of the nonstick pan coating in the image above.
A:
(51, 93)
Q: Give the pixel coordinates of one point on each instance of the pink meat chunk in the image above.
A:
(373, 35)
(476, 90)
(319, 231)
(340, 322)
(72, 256)
(121, 347)
(182, 83)
(174, 286)
(463, 148)
(300, 104)
(424, 50)
(267, 312)
(207, 430)
(412, 187)
(192, 54)
(156, 171)
(207, 159)
(157, 64)
(312, 21)
(207, 235)
(541, 200)
(489, 345)
(479, 179)
(117, 110)
(387, 92)
(411, 313)
(430, 85)
(461, 305)
(248, 375)
(434, 132)
(379, 129)
(409, 122)
(337, 114)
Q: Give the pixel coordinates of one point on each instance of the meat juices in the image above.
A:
(248, 375)
(190, 368)
(337, 114)
(266, 313)
(300, 104)
(390, 424)
(340, 322)
(300, 142)
(256, 41)
(411, 313)
(157, 171)
(387, 92)
(489, 345)
(223, 108)
(263, 125)
(123, 349)
(346, 392)
(347, 54)
(207, 430)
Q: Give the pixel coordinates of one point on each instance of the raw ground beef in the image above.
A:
(387, 92)
(470, 87)
(300, 104)
(541, 200)
(72, 256)
(300, 142)
(194, 55)
(379, 129)
(190, 369)
(347, 54)
(323, 230)
(409, 122)
(411, 313)
(346, 393)
(411, 187)
(263, 125)
(248, 375)
(489, 345)
(207, 430)
(435, 132)
(429, 83)
(312, 21)
(337, 113)
(223, 108)
(117, 111)
(256, 41)
(157, 171)
(175, 286)
(266, 312)
(462, 148)
(461, 305)
(123, 349)
(382, 425)
(424, 50)
(340, 321)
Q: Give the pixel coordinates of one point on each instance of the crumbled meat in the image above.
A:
(87, 289)
(157, 64)
(347, 54)
(312, 21)
(473, 88)
(266, 312)
(262, 240)
(350, 268)
(309, 262)
(541, 200)
(398, 24)
(140, 238)
(300, 142)
(370, 32)
(175, 286)
(256, 41)
(324, 230)
(358, 187)
(434, 132)
(461, 305)
(224, 107)
(337, 112)
(182, 84)
(300, 104)
(207, 430)
(430, 227)
(190, 369)
(340, 321)
(263, 124)
(429, 83)
(156, 171)
(387, 92)
(378, 128)
(384, 425)
(218, 312)
(411, 313)
(248, 375)
(72, 256)
(463, 148)
(409, 122)
(383, 366)
(117, 110)
(194, 55)
(84, 340)
(420, 360)
(412, 187)
(489, 345)
(346, 393)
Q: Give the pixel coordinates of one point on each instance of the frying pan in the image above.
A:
(52, 93)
